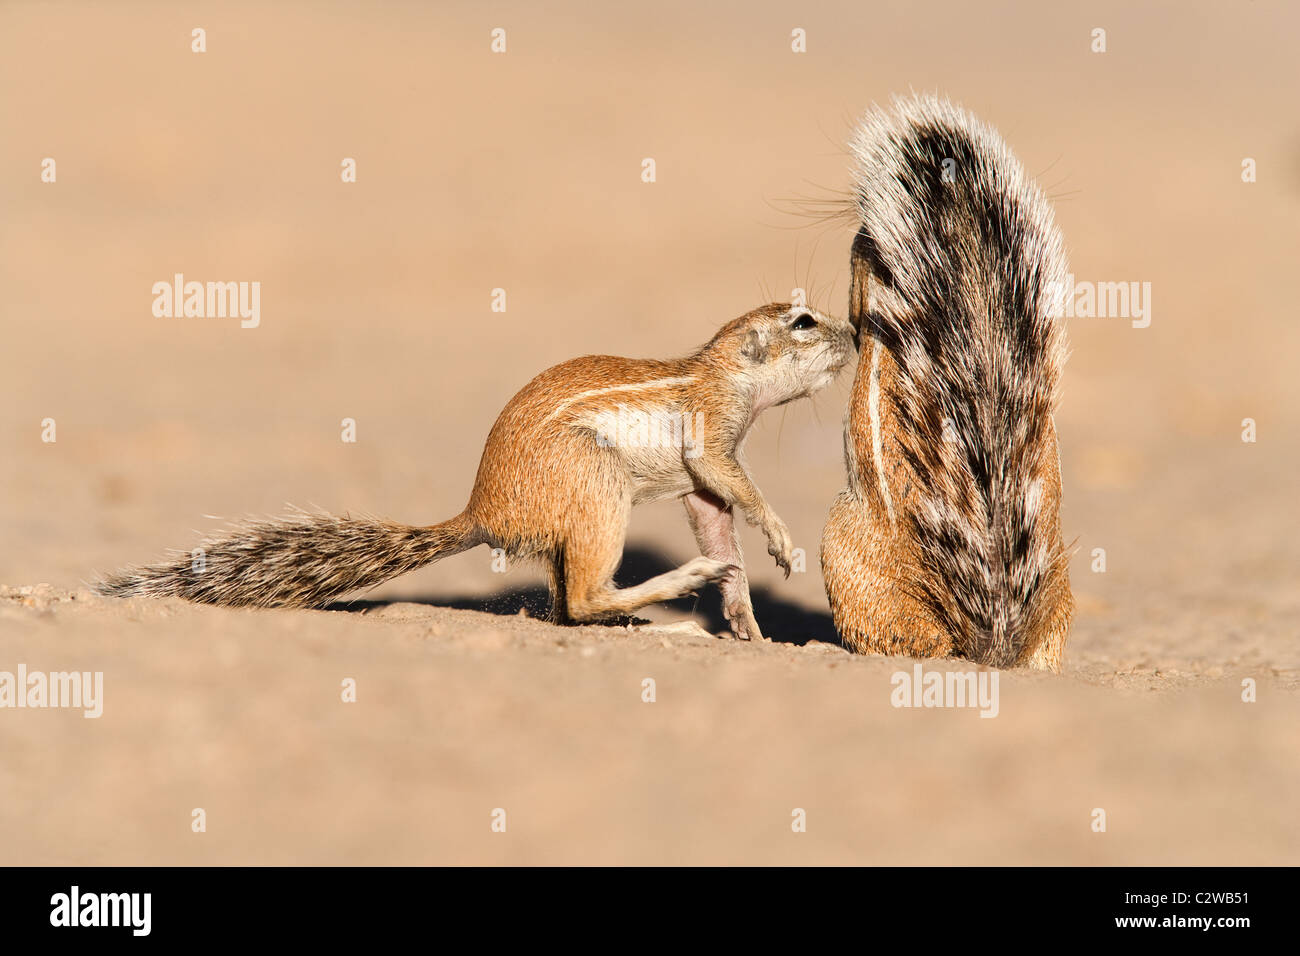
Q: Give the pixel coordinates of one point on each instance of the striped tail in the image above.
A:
(304, 560)
(967, 271)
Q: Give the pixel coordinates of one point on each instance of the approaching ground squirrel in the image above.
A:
(562, 467)
(947, 540)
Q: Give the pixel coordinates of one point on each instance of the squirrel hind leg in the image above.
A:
(591, 557)
(714, 524)
(591, 597)
(866, 569)
(591, 549)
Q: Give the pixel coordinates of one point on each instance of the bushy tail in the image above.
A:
(966, 273)
(303, 560)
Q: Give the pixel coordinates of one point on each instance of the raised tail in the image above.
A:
(303, 560)
(958, 271)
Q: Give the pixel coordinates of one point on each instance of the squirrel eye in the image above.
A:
(804, 322)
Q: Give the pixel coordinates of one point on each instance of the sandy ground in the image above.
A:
(522, 171)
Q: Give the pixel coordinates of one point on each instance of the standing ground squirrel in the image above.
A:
(947, 540)
(562, 467)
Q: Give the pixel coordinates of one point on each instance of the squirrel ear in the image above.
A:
(754, 348)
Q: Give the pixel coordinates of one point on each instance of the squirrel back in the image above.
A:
(957, 271)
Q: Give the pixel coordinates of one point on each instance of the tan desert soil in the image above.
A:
(522, 171)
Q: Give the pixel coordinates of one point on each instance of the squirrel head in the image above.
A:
(783, 352)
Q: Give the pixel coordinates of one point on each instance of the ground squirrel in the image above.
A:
(562, 467)
(947, 540)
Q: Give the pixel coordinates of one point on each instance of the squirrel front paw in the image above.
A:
(779, 543)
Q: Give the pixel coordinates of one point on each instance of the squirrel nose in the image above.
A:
(848, 329)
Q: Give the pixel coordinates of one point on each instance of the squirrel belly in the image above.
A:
(947, 539)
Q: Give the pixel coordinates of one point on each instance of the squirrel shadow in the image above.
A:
(782, 622)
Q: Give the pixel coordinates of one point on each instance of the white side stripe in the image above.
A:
(873, 409)
(632, 387)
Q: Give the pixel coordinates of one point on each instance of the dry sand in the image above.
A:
(522, 171)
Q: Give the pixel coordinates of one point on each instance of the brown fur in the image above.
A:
(947, 540)
(557, 482)
(869, 565)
